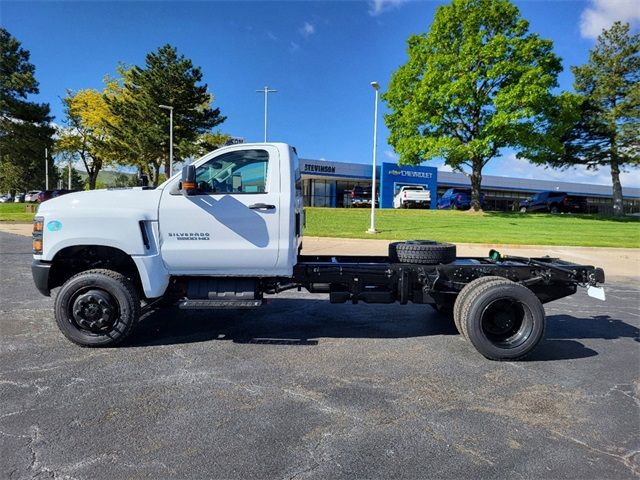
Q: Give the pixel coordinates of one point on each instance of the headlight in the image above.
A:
(38, 225)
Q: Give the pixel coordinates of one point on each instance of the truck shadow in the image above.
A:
(297, 322)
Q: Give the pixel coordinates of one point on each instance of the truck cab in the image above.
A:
(244, 216)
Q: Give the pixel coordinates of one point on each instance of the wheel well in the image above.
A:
(72, 260)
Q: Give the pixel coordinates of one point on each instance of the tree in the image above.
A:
(25, 130)
(600, 124)
(77, 182)
(123, 180)
(477, 82)
(208, 142)
(88, 135)
(142, 128)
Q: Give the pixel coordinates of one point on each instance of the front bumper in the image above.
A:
(40, 272)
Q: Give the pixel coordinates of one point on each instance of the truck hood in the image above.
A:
(126, 202)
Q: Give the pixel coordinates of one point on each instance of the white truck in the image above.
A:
(412, 196)
(229, 231)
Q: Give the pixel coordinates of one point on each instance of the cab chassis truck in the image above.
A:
(229, 229)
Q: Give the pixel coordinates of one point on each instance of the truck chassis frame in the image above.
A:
(374, 279)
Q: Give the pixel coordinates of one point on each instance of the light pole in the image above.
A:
(265, 91)
(170, 108)
(46, 168)
(372, 228)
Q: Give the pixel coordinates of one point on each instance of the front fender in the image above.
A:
(107, 231)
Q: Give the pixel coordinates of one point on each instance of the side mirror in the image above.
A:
(143, 180)
(188, 183)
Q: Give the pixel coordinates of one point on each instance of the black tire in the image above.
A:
(503, 321)
(97, 308)
(454, 206)
(464, 293)
(553, 208)
(425, 252)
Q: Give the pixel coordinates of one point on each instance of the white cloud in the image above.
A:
(602, 13)
(307, 30)
(271, 36)
(376, 7)
(294, 47)
(391, 155)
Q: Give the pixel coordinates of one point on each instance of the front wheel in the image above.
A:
(503, 321)
(97, 308)
(523, 209)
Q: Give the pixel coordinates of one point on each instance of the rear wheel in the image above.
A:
(503, 321)
(553, 209)
(523, 209)
(464, 293)
(426, 252)
(97, 308)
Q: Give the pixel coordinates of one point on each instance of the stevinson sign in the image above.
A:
(335, 169)
(315, 168)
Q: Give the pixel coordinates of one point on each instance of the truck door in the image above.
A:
(231, 225)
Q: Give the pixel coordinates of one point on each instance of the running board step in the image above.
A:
(217, 304)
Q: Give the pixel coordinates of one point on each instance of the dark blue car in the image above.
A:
(457, 199)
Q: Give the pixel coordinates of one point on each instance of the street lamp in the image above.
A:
(46, 168)
(372, 228)
(266, 91)
(170, 108)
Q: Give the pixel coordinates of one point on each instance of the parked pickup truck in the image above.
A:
(457, 199)
(554, 202)
(360, 197)
(412, 196)
(229, 230)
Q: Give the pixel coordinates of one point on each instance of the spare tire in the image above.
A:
(425, 252)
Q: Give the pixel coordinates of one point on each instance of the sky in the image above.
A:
(320, 57)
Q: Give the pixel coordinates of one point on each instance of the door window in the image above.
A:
(244, 171)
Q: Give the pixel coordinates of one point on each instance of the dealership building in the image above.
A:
(329, 184)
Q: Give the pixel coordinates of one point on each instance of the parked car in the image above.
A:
(32, 196)
(554, 202)
(412, 196)
(457, 199)
(19, 198)
(6, 198)
(44, 196)
(57, 193)
(361, 197)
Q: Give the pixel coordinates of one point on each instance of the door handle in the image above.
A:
(262, 206)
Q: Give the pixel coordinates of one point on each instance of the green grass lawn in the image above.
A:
(466, 227)
(15, 212)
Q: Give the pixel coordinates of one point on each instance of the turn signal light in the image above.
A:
(37, 246)
(38, 224)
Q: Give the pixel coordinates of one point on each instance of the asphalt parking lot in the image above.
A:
(305, 389)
